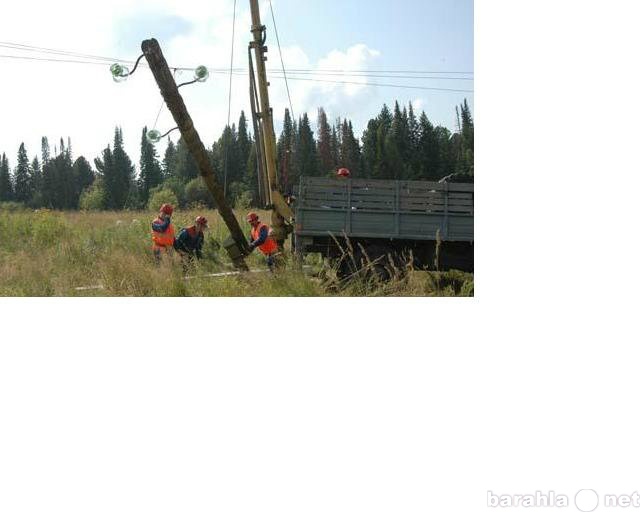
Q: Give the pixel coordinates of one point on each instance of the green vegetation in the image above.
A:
(48, 253)
(396, 144)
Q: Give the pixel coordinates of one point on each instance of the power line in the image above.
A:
(344, 82)
(286, 82)
(42, 49)
(226, 149)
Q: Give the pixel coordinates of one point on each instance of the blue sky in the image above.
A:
(429, 35)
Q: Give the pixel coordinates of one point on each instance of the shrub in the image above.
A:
(92, 198)
(176, 185)
(11, 206)
(197, 192)
(243, 201)
(159, 197)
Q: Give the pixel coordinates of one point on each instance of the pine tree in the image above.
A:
(150, 172)
(23, 184)
(6, 187)
(325, 156)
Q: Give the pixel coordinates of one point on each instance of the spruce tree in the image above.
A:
(285, 149)
(185, 166)
(244, 146)
(45, 150)
(413, 163)
(23, 184)
(369, 149)
(467, 137)
(334, 146)
(325, 157)
(6, 187)
(66, 187)
(169, 161)
(427, 150)
(83, 177)
(150, 172)
(350, 149)
(306, 149)
(36, 179)
(119, 187)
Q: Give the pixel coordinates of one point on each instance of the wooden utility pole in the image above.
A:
(281, 211)
(238, 247)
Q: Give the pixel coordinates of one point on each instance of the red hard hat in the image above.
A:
(201, 220)
(166, 208)
(344, 173)
(252, 217)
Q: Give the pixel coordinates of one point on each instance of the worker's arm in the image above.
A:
(161, 227)
(199, 244)
(262, 238)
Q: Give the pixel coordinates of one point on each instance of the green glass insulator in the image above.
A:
(154, 136)
(201, 73)
(119, 72)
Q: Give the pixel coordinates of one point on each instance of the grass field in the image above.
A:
(47, 253)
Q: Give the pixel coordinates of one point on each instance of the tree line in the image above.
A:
(398, 144)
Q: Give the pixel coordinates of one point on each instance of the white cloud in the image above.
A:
(81, 101)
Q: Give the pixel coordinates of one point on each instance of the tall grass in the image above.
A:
(46, 253)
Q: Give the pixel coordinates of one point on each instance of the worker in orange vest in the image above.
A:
(262, 239)
(162, 232)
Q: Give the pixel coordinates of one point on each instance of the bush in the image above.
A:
(197, 192)
(244, 200)
(160, 197)
(92, 198)
(11, 206)
(176, 185)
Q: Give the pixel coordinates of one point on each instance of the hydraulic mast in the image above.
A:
(265, 136)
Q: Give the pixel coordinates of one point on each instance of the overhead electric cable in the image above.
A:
(345, 82)
(226, 146)
(286, 82)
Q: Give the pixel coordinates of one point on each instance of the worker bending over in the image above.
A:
(261, 238)
(162, 232)
(190, 241)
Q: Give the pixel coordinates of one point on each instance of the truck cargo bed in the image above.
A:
(394, 210)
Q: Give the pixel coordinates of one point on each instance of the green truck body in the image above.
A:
(396, 215)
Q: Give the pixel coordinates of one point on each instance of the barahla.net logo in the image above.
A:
(585, 500)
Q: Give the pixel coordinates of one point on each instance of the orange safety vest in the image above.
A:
(163, 240)
(269, 246)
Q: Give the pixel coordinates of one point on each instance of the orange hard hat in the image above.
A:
(166, 208)
(252, 217)
(201, 220)
(344, 172)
